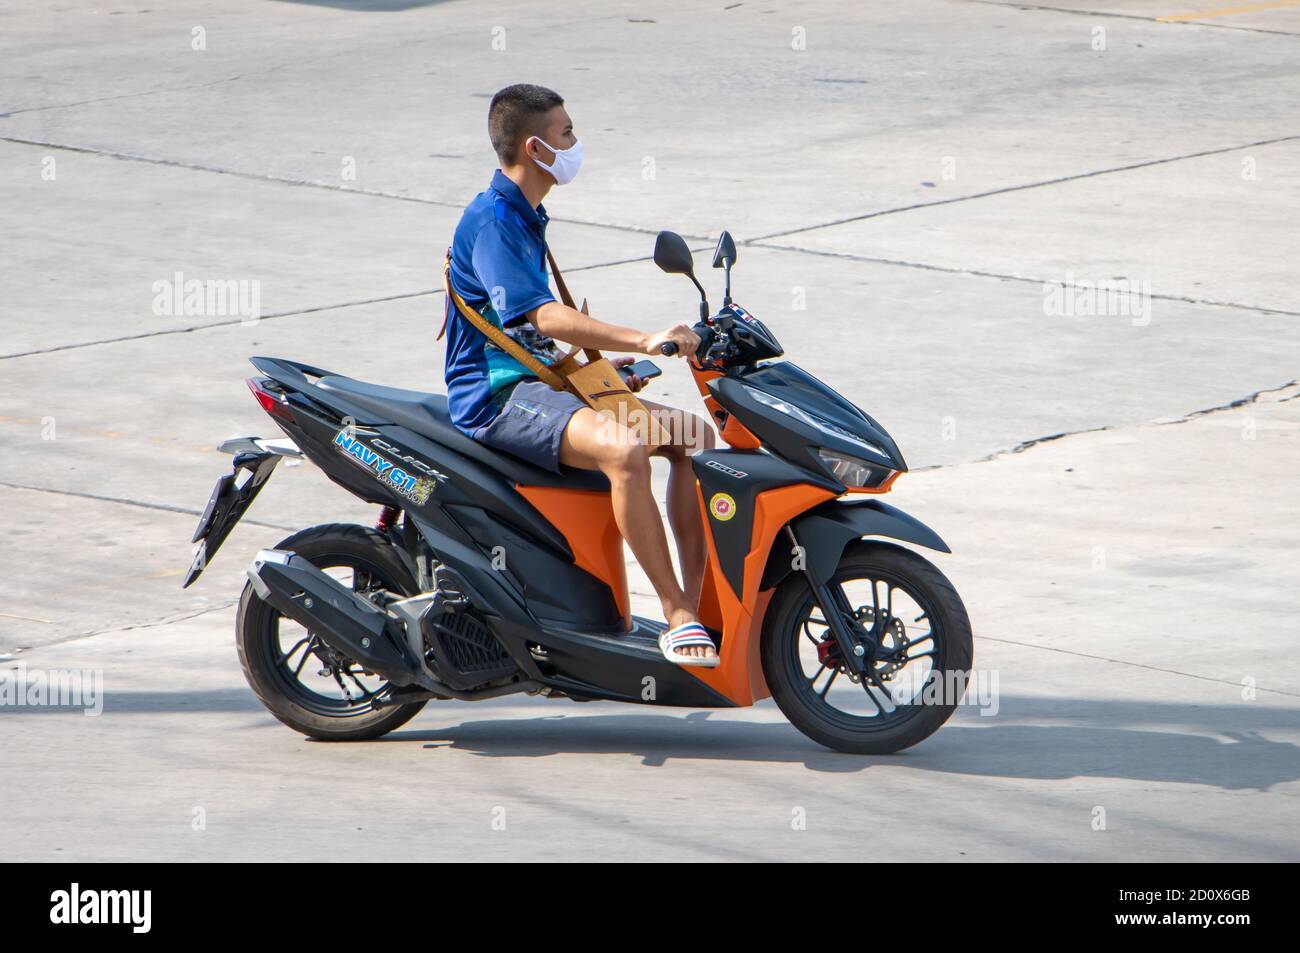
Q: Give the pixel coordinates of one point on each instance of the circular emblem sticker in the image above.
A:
(722, 506)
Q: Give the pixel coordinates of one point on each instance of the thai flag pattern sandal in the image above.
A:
(692, 633)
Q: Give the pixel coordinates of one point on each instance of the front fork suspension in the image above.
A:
(857, 646)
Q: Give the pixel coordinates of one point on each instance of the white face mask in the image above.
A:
(566, 164)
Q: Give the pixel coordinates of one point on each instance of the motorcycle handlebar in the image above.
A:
(669, 348)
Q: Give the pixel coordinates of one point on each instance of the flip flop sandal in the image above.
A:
(692, 633)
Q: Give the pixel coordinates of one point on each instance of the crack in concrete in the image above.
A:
(303, 183)
(215, 170)
(979, 273)
(315, 309)
(1119, 661)
(1024, 445)
(1020, 188)
(135, 95)
(165, 507)
(1020, 447)
(1233, 404)
(796, 249)
(221, 324)
(1129, 16)
(127, 627)
(762, 241)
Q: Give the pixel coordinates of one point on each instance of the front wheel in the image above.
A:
(912, 627)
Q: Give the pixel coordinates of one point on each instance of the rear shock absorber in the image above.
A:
(387, 517)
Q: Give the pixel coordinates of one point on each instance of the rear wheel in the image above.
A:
(302, 681)
(913, 628)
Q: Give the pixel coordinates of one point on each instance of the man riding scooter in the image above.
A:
(498, 267)
(808, 593)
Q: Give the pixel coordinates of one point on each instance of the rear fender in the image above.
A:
(231, 499)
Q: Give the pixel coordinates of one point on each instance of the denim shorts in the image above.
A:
(531, 422)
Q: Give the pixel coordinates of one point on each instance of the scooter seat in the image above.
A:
(426, 415)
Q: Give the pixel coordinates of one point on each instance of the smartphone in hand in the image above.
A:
(646, 370)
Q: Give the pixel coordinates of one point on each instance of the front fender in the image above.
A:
(823, 533)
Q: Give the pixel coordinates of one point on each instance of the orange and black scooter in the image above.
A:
(486, 576)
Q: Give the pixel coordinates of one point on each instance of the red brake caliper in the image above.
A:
(828, 652)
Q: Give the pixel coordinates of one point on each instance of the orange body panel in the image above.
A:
(736, 434)
(586, 520)
(739, 616)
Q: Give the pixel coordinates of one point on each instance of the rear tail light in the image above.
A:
(273, 404)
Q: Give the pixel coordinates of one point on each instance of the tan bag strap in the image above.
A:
(498, 336)
(567, 299)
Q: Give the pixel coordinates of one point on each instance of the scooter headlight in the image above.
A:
(853, 472)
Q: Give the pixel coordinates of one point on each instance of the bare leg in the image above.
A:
(596, 443)
(688, 433)
(684, 518)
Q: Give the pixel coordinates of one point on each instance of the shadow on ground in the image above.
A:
(369, 6)
(1031, 738)
(1221, 746)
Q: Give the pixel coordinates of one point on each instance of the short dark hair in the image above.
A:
(515, 114)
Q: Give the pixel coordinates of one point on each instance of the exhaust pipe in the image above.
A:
(347, 623)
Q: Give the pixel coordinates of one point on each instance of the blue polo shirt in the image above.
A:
(498, 265)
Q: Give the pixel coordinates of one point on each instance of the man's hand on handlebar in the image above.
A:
(678, 340)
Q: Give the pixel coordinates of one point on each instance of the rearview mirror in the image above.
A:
(673, 255)
(725, 254)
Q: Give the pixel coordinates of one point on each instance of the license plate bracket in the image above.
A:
(229, 501)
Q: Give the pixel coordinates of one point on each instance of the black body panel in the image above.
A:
(227, 504)
(743, 475)
(792, 438)
(750, 337)
(426, 415)
(555, 590)
(462, 506)
(625, 667)
(449, 476)
(422, 413)
(825, 530)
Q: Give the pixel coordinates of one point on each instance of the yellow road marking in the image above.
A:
(1228, 11)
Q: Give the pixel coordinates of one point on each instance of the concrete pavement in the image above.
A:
(909, 184)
